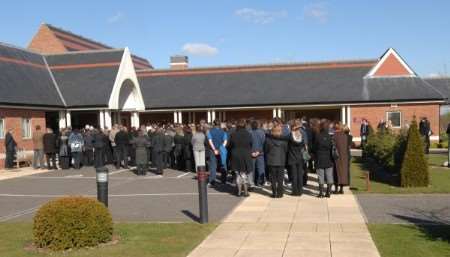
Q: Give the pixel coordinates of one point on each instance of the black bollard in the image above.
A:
(102, 185)
(202, 177)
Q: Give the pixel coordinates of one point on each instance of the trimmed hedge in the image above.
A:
(72, 222)
(387, 149)
(414, 171)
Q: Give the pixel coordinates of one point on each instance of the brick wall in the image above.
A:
(46, 42)
(376, 113)
(13, 119)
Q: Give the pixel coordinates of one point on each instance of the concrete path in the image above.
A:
(22, 172)
(291, 227)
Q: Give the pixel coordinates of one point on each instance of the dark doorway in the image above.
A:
(79, 119)
(52, 121)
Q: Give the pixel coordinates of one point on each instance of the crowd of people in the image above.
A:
(250, 153)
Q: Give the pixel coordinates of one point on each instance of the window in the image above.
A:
(2, 128)
(395, 118)
(26, 127)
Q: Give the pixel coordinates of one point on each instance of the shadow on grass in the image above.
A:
(376, 172)
(430, 223)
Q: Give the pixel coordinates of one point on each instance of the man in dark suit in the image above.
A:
(364, 132)
(122, 141)
(425, 132)
(10, 148)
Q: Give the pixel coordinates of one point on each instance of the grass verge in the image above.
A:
(136, 240)
(386, 184)
(410, 240)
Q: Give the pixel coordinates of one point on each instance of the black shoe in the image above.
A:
(320, 191)
(327, 194)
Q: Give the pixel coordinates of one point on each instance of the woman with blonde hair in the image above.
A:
(275, 150)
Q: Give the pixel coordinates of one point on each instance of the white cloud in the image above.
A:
(259, 16)
(318, 12)
(435, 75)
(116, 18)
(199, 49)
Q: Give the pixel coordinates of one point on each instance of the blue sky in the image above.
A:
(223, 32)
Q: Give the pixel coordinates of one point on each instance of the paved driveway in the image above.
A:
(169, 198)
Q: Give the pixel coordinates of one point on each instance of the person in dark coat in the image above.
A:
(187, 149)
(425, 132)
(275, 150)
(322, 149)
(140, 144)
(107, 150)
(308, 165)
(296, 147)
(10, 149)
(50, 146)
(131, 151)
(98, 142)
(178, 149)
(157, 150)
(122, 141)
(88, 154)
(167, 149)
(240, 144)
(364, 132)
(64, 150)
(342, 165)
(259, 169)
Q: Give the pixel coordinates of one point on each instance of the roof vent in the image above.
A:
(179, 62)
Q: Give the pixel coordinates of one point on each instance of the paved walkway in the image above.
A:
(22, 172)
(291, 227)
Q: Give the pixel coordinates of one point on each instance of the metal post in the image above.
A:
(102, 185)
(202, 177)
(448, 151)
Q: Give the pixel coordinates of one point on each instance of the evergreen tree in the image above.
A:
(414, 170)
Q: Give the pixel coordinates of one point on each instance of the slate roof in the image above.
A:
(25, 79)
(86, 79)
(442, 84)
(341, 82)
(89, 44)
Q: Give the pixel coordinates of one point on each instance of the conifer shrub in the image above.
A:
(414, 168)
(72, 222)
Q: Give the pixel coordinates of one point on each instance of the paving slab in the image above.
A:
(292, 227)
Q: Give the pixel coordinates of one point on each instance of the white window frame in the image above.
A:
(24, 136)
(387, 118)
(3, 126)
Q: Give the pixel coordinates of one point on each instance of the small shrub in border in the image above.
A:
(414, 170)
(72, 222)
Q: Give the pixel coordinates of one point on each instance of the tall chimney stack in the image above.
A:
(179, 62)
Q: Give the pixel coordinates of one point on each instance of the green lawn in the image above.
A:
(411, 241)
(437, 159)
(439, 180)
(136, 240)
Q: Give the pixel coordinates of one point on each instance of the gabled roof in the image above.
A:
(86, 78)
(73, 42)
(288, 84)
(391, 64)
(25, 79)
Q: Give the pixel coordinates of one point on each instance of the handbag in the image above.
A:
(305, 155)
(334, 150)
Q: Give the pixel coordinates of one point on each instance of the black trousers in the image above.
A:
(9, 160)
(132, 154)
(76, 156)
(297, 178)
(51, 160)
(121, 155)
(64, 162)
(88, 157)
(99, 157)
(276, 178)
(158, 161)
(141, 169)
